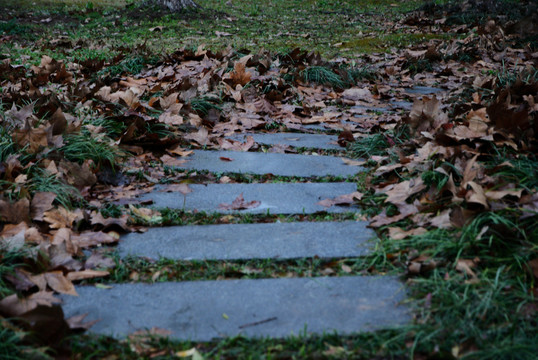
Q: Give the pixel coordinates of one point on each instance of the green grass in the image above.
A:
(41, 181)
(204, 104)
(379, 143)
(7, 145)
(87, 146)
(139, 269)
(180, 217)
(322, 76)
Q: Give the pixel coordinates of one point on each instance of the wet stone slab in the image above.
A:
(274, 198)
(203, 310)
(404, 105)
(316, 141)
(269, 163)
(251, 241)
(423, 90)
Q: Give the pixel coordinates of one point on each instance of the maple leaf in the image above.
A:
(239, 76)
(58, 282)
(240, 204)
(60, 218)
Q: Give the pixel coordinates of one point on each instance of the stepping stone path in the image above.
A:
(205, 310)
(319, 141)
(274, 198)
(251, 241)
(269, 163)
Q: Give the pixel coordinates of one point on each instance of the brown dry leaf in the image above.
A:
(399, 193)
(476, 194)
(426, 115)
(172, 161)
(240, 204)
(180, 151)
(58, 282)
(60, 218)
(465, 266)
(14, 213)
(99, 261)
(58, 122)
(118, 224)
(499, 194)
(441, 221)
(181, 188)
(382, 219)
(77, 322)
(90, 238)
(63, 235)
(345, 137)
(21, 279)
(470, 171)
(169, 118)
(35, 138)
(356, 94)
(346, 199)
(41, 202)
(239, 76)
(201, 137)
(33, 236)
(397, 233)
(80, 176)
(233, 145)
(14, 306)
(351, 162)
(86, 274)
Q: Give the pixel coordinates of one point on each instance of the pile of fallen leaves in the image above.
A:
(55, 191)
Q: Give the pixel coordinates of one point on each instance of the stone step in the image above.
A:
(269, 163)
(251, 241)
(316, 141)
(203, 310)
(275, 198)
(423, 90)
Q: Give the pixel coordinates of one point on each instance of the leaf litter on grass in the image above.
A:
(443, 165)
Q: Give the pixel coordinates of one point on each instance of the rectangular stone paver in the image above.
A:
(251, 241)
(269, 163)
(275, 198)
(203, 310)
(317, 141)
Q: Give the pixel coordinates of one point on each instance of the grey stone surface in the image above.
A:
(361, 108)
(275, 198)
(251, 241)
(265, 163)
(317, 141)
(397, 104)
(423, 90)
(201, 311)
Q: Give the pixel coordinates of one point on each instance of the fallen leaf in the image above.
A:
(172, 161)
(60, 218)
(86, 274)
(240, 204)
(14, 306)
(58, 282)
(14, 212)
(397, 233)
(41, 202)
(351, 162)
(180, 188)
(346, 199)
